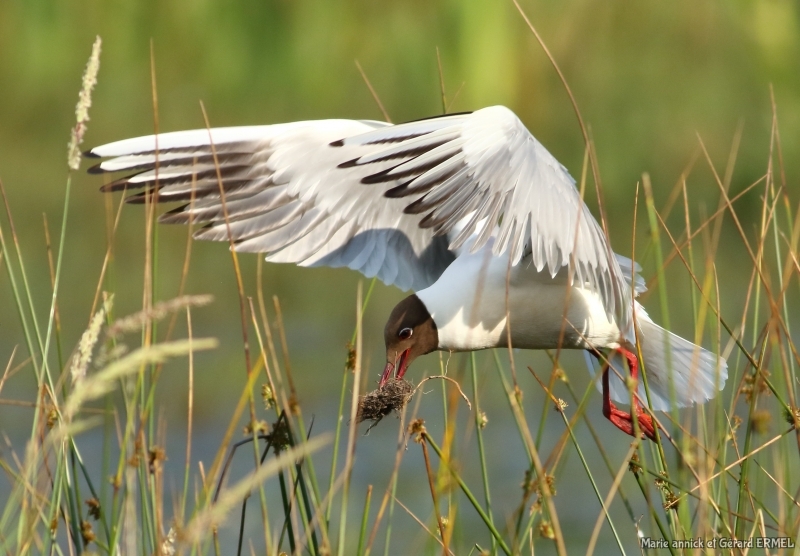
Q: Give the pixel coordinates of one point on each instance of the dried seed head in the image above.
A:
(82, 108)
(633, 464)
(94, 508)
(259, 427)
(134, 322)
(294, 405)
(52, 417)
(168, 545)
(350, 363)
(546, 530)
(550, 480)
(281, 435)
(417, 426)
(267, 396)
(793, 416)
(754, 384)
(761, 420)
(83, 356)
(86, 532)
(154, 458)
(560, 405)
(670, 500)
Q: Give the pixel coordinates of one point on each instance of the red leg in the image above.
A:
(621, 419)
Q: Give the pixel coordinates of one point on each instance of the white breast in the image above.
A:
(469, 305)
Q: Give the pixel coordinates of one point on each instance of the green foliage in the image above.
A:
(683, 90)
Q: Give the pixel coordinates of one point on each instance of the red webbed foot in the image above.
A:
(621, 419)
(624, 421)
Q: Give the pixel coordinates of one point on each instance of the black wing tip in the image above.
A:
(96, 169)
(349, 163)
(397, 192)
(379, 177)
(150, 195)
(178, 215)
(121, 184)
(90, 154)
(339, 143)
(428, 221)
(113, 186)
(418, 207)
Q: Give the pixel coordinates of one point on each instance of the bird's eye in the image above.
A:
(405, 333)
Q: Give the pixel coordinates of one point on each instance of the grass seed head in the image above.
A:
(350, 364)
(52, 416)
(82, 108)
(550, 480)
(281, 435)
(761, 420)
(267, 396)
(633, 464)
(259, 427)
(417, 427)
(546, 530)
(86, 532)
(168, 545)
(793, 416)
(93, 504)
(155, 456)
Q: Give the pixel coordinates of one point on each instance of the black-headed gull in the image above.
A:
(469, 211)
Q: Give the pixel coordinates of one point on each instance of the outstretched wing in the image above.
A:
(483, 173)
(285, 196)
(391, 201)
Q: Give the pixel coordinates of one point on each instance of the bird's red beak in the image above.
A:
(402, 367)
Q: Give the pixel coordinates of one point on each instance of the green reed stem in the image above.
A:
(468, 493)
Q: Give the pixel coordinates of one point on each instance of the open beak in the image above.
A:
(402, 367)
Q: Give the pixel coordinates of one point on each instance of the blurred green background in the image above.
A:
(648, 78)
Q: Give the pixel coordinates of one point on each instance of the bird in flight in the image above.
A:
(469, 211)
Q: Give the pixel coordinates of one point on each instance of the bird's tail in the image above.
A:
(677, 370)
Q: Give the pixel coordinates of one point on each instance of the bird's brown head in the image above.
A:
(409, 333)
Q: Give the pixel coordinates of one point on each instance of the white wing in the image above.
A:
(486, 165)
(285, 196)
(378, 198)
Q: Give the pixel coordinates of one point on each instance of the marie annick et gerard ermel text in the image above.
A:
(719, 542)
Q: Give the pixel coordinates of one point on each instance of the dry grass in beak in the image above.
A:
(376, 405)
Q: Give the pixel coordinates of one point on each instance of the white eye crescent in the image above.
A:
(405, 333)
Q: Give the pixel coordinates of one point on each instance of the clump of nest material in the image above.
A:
(393, 396)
